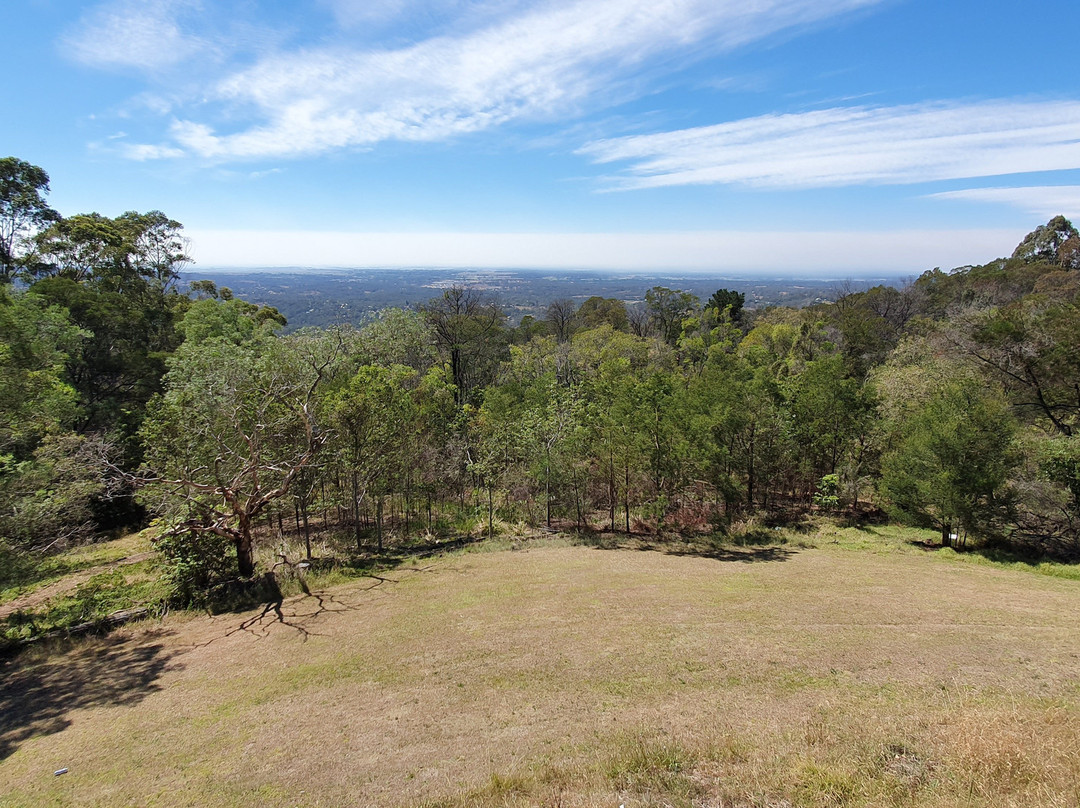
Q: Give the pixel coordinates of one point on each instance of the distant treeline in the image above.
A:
(950, 403)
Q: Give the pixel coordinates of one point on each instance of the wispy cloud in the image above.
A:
(854, 146)
(144, 34)
(549, 60)
(1040, 200)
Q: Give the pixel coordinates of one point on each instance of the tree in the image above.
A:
(468, 333)
(375, 419)
(596, 311)
(561, 316)
(52, 499)
(234, 428)
(23, 211)
(667, 309)
(727, 300)
(829, 415)
(1030, 347)
(235, 321)
(36, 340)
(949, 465)
(116, 279)
(397, 337)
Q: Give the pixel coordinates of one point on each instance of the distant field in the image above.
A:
(856, 670)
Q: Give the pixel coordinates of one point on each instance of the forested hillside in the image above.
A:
(950, 403)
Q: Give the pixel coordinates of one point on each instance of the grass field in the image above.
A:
(851, 668)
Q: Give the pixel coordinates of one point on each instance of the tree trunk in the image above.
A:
(611, 488)
(245, 550)
(547, 483)
(307, 531)
(577, 498)
(356, 509)
(378, 521)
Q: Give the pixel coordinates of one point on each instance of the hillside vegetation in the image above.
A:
(948, 404)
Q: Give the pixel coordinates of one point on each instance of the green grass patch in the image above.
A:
(893, 538)
(98, 597)
(22, 572)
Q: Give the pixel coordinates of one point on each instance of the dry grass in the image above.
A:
(571, 676)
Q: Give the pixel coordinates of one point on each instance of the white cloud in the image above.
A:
(1043, 200)
(144, 34)
(855, 146)
(143, 151)
(526, 65)
(839, 252)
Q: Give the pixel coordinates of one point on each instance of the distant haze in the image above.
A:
(788, 254)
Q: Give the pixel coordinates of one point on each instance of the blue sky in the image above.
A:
(780, 136)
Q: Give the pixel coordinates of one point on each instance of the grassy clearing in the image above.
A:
(861, 671)
(21, 575)
(81, 585)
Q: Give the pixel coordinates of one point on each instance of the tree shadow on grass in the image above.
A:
(39, 696)
(1028, 556)
(716, 551)
(304, 614)
(743, 555)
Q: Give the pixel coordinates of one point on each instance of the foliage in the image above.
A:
(23, 211)
(235, 427)
(727, 300)
(950, 464)
(50, 499)
(36, 340)
(196, 563)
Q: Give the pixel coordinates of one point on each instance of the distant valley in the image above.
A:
(321, 297)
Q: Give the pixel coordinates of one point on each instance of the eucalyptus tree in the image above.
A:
(36, 341)
(23, 212)
(469, 332)
(234, 428)
(50, 479)
(830, 419)
(561, 316)
(498, 442)
(116, 278)
(596, 311)
(667, 309)
(374, 416)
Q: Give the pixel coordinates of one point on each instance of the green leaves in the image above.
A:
(23, 211)
(952, 459)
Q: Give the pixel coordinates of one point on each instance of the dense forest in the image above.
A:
(949, 403)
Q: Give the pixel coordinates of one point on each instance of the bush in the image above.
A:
(196, 563)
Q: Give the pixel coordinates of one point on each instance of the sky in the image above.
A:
(845, 137)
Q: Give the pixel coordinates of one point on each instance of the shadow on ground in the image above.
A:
(39, 697)
(744, 554)
(1031, 557)
(305, 614)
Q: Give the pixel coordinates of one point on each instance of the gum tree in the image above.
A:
(235, 427)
